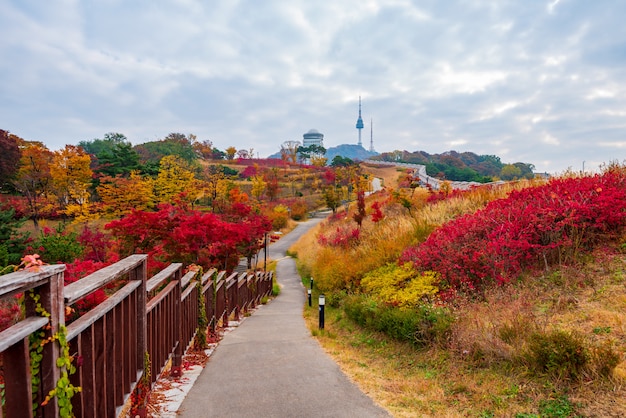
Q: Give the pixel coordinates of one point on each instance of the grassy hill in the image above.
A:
(543, 335)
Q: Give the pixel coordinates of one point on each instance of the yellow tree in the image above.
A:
(120, 195)
(230, 152)
(318, 161)
(174, 178)
(33, 178)
(71, 177)
(258, 187)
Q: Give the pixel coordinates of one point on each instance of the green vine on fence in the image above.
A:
(64, 390)
(200, 339)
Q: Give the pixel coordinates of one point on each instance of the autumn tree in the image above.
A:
(33, 178)
(175, 177)
(251, 229)
(204, 149)
(71, 178)
(272, 187)
(120, 195)
(258, 187)
(289, 151)
(332, 198)
(319, 161)
(359, 215)
(175, 233)
(9, 157)
(230, 153)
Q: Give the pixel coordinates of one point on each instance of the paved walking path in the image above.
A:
(270, 366)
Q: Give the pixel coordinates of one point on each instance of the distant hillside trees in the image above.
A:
(464, 166)
(174, 144)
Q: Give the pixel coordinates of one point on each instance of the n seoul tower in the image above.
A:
(359, 123)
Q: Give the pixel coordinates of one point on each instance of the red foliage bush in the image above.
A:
(10, 312)
(177, 234)
(97, 245)
(342, 237)
(531, 228)
(76, 271)
(18, 203)
(377, 213)
(248, 172)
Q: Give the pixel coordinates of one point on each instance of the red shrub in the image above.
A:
(342, 237)
(531, 228)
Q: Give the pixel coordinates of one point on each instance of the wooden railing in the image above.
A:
(158, 316)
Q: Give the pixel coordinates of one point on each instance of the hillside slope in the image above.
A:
(549, 341)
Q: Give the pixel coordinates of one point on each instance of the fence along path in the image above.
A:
(158, 316)
(270, 366)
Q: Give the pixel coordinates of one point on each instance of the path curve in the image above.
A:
(270, 366)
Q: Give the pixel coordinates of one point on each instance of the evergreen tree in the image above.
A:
(12, 242)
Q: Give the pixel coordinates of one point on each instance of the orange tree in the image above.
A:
(33, 178)
(71, 176)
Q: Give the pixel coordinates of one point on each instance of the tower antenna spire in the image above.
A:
(372, 135)
(359, 123)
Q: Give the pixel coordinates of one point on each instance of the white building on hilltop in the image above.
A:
(313, 137)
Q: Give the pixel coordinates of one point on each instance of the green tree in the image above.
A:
(339, 161)
(510, 172)
(9, 158)
(121, 160)
(97, 146)
(176, 144)
(12, 241)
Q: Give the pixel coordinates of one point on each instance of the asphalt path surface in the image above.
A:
(270, 366)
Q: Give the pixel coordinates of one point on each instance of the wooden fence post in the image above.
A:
(140, 273)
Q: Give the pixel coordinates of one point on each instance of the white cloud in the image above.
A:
(539, 82)
(548, 139)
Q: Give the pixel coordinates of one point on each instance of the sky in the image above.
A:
(533, 81)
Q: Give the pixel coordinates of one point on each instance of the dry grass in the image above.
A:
(477, 374)
(389, 175)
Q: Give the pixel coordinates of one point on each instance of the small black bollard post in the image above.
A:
(309, 292)
(322, 302)
(311, 283)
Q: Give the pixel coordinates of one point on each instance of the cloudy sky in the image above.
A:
(536, 81)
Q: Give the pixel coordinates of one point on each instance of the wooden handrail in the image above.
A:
(111, 339)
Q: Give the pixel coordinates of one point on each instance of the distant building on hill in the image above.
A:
(313, 137)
